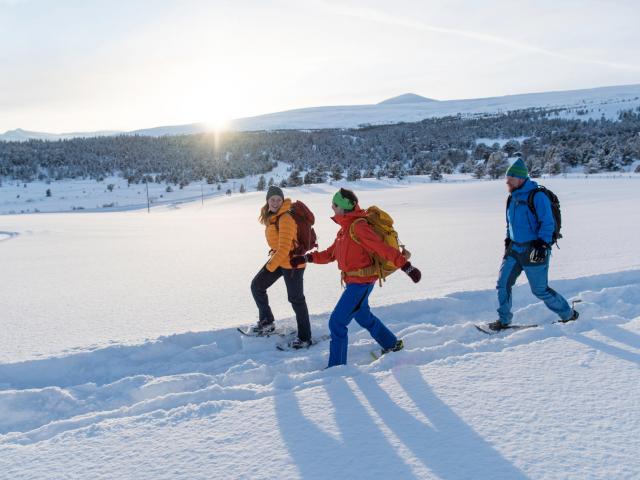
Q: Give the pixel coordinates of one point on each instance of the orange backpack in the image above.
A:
(382, 224)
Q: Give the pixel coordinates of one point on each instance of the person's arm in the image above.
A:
(325, 256)
(369, 239)
(542, 206)
(287, 230)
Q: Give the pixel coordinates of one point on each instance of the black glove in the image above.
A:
(412, 271)
(507, 245)
(539, 249)
(298, 260)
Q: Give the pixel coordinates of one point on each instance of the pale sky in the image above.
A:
(83, 65)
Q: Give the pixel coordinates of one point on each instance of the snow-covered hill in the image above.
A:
(119, 356)
(585, 104)
(597, 102)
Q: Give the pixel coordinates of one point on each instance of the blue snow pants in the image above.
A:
(517, 260)
(354, 303)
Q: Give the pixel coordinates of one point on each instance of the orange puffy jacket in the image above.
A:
(281, 234)
(352, 256)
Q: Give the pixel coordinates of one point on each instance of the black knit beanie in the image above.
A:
(274, 190)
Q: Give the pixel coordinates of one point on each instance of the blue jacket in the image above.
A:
(522, 225)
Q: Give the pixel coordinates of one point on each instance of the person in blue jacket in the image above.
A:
(527, 248)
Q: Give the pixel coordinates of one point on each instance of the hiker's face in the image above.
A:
(514, 183)
(275, 202)
(336, 209)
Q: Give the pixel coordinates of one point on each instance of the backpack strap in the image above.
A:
(352, 229)
(376, 265)
(530, 203)
(277, 222)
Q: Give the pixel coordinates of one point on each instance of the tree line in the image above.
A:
(547, 142)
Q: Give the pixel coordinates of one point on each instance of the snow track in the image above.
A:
(200, 374)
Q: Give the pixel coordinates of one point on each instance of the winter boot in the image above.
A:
(396, 348)
(263, 328)
(497, 326)
(574, 316)
(297, 344)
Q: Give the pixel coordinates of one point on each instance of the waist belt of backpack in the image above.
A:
(522, 244)
(370, 271)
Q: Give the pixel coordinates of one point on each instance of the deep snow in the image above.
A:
(559, 401)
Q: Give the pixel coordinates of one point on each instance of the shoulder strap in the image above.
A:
(532, 206)
(277, 222)
(352, 229)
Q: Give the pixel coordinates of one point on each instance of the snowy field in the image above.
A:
(119, 355)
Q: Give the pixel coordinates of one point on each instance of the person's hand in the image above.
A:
(507, 245)
(539, 249)
(298, 260)
(412, 271)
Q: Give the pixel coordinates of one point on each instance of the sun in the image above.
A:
(218, 124)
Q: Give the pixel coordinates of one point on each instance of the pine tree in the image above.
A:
(336, 172)
(436, 174)
(479, 170)
(497, 165)
(261, 183)
(294, 180)
(353, 174)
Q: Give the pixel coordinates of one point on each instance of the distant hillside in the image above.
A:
(20, 135)
(584, 104)
(406, 98)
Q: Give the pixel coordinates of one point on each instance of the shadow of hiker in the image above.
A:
(606, 348)
(448, 447)
(619, 334)
(362, 451)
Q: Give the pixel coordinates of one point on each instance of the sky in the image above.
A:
(83, 65)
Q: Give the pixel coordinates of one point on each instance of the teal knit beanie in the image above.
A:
(518, 169)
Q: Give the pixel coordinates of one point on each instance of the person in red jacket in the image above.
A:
(353, 256)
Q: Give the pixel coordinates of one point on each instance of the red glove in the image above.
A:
(412, 271)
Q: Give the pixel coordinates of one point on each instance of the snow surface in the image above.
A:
(120, 357)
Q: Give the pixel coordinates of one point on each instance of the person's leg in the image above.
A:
(259, 285)
(340, 317)
(373, 325)
(538, 277)
(509, 272)
(295, 293)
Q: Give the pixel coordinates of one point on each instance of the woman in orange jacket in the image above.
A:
(281, 233)
(355, 257)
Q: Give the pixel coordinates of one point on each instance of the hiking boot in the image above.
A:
(396, 348)
(574, 316)
(263, 328)
(497, 326)
(297, 344)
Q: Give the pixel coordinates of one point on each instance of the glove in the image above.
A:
(507, 245)
(298, 260)
(539, 249)
(412, 271)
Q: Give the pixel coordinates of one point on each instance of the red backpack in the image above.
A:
(306, 237)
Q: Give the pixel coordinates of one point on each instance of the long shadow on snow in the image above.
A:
(362, 449)
(201, 351)
(449, 448)
(608, 349)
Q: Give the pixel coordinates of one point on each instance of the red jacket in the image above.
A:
(352, 256)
